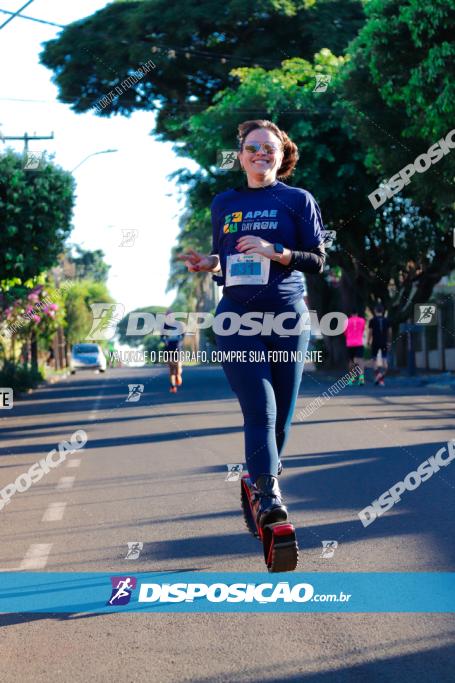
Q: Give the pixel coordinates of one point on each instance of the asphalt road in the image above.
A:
(154, 471)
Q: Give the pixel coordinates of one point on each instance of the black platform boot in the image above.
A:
(271, 508)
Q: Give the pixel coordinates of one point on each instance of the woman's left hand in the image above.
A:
(255, 245)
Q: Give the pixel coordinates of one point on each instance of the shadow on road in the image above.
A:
(423, 665)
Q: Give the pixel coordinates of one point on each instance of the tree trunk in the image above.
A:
(34, 352)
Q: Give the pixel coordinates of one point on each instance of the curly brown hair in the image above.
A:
(290, 151)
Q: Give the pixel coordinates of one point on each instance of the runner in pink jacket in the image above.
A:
(354, 342)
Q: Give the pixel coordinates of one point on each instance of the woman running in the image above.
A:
(354, 343)
(265, 235)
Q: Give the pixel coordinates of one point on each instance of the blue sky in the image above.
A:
(124, 190)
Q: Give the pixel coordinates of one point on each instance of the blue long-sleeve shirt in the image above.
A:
(277, 213)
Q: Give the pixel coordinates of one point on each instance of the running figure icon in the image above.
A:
(121, 592)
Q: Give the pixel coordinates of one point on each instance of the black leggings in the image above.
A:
(267, 390)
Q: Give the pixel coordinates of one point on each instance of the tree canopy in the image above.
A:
(78, 299)
(399, 90)
(140, 339)
(35, 214)
(89, 264)
(194, 47)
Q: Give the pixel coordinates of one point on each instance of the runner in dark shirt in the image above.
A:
(379, 332)
(173, 343)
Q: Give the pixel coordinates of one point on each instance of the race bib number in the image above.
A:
(247, 269)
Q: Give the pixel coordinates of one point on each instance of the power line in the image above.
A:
(20, 99)
(24, 16)
(15, 14)
(190, 52)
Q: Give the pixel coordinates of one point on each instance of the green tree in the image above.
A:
(399, 94)
(194, 47)
(138, 340)
(78, 299)
(399, 89)
(88, 264)
(35, 215)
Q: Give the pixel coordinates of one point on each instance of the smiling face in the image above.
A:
(261, 165)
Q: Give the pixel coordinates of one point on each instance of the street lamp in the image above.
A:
(104, 151)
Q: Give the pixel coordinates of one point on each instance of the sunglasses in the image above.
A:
(268, 147)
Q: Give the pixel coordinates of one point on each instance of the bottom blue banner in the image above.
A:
(226, 592)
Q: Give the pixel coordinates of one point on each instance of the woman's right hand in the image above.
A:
(196, 262)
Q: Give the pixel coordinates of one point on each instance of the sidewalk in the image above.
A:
(394, 378)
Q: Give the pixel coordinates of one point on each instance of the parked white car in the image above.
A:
(87, 357)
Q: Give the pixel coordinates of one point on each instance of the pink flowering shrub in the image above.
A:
(35, 312)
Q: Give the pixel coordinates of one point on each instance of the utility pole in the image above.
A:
(59, 341)
(26, 137)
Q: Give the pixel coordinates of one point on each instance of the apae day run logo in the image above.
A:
(231, 221)
(122, 587)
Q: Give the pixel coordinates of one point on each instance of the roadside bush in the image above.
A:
(19, 377)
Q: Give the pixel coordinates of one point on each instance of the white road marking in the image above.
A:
(65, 483)
(54, 512)
(94, 411)
(75, 462)
(36, 557)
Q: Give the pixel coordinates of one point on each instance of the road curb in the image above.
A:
(53, 379)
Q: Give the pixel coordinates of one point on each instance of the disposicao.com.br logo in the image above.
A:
(219, 592)
(224, 592)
